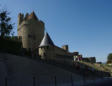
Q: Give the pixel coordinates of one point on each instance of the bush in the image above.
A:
(109, 58)
(9, 45)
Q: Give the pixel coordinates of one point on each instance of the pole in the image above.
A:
(34, 81)
(6, 84)
(71, 80)
(55, 81)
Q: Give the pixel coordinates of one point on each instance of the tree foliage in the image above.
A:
(5, 23)
(109, 58)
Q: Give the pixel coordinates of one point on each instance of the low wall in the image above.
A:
(73, 80)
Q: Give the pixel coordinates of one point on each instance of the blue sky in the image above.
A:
(85, 25)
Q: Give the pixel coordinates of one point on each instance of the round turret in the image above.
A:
(31, 30)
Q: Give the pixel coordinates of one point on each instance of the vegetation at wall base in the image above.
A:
(10, 45)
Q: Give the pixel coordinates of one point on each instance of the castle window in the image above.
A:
(31, 36)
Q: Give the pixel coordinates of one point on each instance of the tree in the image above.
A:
(5, 24)
(109, 58)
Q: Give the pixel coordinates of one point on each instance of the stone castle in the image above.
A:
(32, 32)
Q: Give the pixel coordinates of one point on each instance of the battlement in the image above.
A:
(27, 17)
(20, 18)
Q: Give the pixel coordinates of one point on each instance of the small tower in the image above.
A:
(30, 29)
(20, 18)
(46, 48)
(65, 47)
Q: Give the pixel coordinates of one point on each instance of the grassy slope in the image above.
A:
(99, 67)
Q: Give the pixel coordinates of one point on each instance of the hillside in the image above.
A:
(99, 67)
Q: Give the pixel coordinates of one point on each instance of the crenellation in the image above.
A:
(32, 16)
(20, 18)
(26, 16)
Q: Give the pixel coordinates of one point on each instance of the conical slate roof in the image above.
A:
(46, 41)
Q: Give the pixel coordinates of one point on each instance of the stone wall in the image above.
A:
(89, 59)
(55, 53)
